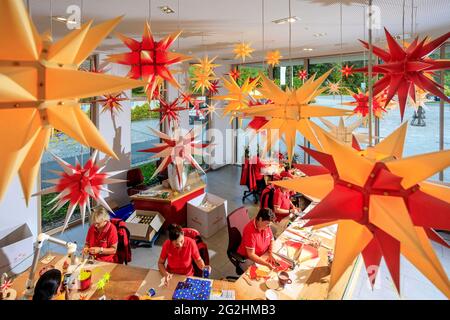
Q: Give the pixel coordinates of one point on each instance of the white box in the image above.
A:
(16, 249)
(207, 222)
(142, 231)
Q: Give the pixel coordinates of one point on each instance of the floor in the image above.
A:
(225, 183)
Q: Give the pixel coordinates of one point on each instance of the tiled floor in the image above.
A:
(225, 183)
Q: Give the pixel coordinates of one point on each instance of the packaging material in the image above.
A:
(207, 213)
(144, 225)
(16, 249)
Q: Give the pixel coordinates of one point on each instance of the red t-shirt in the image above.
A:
(259, 166)
(252, 238)
(104, 239)
(281, 199)
(179, 260)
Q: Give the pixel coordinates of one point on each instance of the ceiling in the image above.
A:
(214, 26)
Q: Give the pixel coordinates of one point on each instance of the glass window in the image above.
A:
(197, 117)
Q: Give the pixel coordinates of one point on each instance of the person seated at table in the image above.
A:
(260, 181)
(179, 252)
(285, 173)
(257, 240)
(282, 204)
(50, 287)
(102, 238)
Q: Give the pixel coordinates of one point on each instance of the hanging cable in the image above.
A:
(51, 18)
(403, 23)
(263, 35)
(149, 10)
(370, 69)
(412, 18)
(341, 58)
(290, 47)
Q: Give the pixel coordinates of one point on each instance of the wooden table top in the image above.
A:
(310, 279)
(173, 195)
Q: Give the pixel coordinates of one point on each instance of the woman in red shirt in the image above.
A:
(179, 252)
(282, 204)
(101, 239)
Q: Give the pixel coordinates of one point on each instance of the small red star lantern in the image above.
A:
(347, 71)
(214, 89)
(111, 102)
(169, 111)
(235, 74)
(186, 98)
(149, 59)
(361, 104)
(302, 75)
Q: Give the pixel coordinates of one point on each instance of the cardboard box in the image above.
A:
(16, 249)
(143, 231)
(207, 221)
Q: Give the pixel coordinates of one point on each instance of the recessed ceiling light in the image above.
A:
(320, 34)
(290, 19)
(166, 9)
(308, 49)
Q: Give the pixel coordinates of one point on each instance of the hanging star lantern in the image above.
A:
(210, 109)
(149, 59)
(290, 111)
(214, 88)
(186, 98)
(273, 58)
(347, 71)
(178, 150)
(404, 69)
(421, 100)
(237, 97)
(383, 208)
(302, 75)
(242, 51)
(77, 184)
(111, 102)
(203, 74)
(361, 104)
(341, 132)
(334, 88)
(40, 85)
(169, 111)
(235, 74)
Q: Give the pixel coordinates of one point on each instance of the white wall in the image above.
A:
(117, 132)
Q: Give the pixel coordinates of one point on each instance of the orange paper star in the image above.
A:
(243, 50)
(273, 58)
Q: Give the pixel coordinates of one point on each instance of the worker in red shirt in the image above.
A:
(282, 204)
(179, 252)
(101, 239)
(257, 239)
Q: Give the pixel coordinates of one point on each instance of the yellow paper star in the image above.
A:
(290, 111)
(382, 207)
(238, 97)
(204, 74)
(273, 58)
(243, 50)
(334, 87)
(39, 90)
(341, 132)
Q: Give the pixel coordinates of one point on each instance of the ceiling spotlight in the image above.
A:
(166, 9)
(291, 19)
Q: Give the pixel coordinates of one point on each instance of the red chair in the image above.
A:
(202, 248)
(135, 181)
(248, 178)
(236, 221)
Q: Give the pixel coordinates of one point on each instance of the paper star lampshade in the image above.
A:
(111, 102)
(237, 97)
(347, 71)
(169, 111)
(405, 68)
(214, 88)
(39, 90)
(149, 59)
(290, 111)
(235, 74)
(242, 51)
(383, 208)
(273, 58)
(334, 88)
(341, 132)
(204, 74)
(77, 184)
(178, 150)
(361, 104)
(302, 75)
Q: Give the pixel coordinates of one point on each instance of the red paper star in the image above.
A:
(405, 68)
(361, 104)
(257, 122)
(302, 74)
(169, 110)
(214, 89)
(150, 59)
(347, 71)
(186, 98)
(235, 74)
(111, 102)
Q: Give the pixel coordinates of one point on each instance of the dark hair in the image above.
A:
(265, 214)
(47, 285)
(175, 231)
